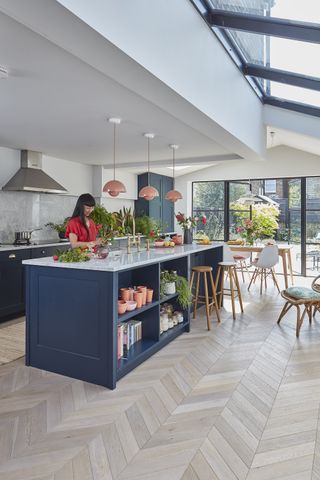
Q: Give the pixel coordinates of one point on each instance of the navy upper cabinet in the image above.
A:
(159, 208)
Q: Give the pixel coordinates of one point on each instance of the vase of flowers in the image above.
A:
(247, 231)
(187, 224)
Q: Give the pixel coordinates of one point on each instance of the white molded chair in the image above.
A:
(264, 266)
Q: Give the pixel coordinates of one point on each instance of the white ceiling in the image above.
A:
(296, 140)
(57, 104)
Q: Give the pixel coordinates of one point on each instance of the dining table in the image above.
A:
(284, 253)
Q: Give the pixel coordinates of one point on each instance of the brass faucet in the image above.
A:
(128, 245)
(148, 244)
(138, 242)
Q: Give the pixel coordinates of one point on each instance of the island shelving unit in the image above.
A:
(72, 316)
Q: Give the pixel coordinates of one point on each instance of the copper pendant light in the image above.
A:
(173, 195)
(114, 187)
(148, 192)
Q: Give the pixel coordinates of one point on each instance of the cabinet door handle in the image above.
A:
(12, 255)
(43, 252)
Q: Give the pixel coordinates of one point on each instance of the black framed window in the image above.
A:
(208, 200)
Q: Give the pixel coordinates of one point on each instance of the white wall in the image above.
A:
(280, 162)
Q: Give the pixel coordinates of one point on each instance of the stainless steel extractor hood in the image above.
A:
(31, 178)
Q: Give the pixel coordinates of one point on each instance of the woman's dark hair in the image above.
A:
(84, 200)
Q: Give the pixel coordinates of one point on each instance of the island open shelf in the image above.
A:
(72, 316)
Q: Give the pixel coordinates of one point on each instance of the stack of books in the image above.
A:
(128, 334)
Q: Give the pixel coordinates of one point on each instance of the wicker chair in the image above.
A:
(309, 298)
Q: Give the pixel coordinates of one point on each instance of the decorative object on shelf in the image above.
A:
(167, 283)
(148, 192)
(114, 187)
(143, 289)
(187, 224)
(138, 297)
(131, 305)
(122, 307)
(149, 295)
(173, 195)
(183, 291)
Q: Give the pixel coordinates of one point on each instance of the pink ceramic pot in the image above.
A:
(122, 307)
(149, 295)
(138, 297)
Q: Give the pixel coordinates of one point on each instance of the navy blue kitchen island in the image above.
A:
(72, 310)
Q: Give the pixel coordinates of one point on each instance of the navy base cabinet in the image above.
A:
(72, 317)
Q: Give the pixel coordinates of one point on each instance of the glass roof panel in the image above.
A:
(290, 55)
(304, 11)
(295, 94)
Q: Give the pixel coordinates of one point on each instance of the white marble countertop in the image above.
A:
(6, 248)
(117, 261)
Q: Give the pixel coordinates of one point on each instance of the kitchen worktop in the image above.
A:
(6, 248)
(121, 260)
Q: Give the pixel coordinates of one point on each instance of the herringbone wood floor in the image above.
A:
(239, 402)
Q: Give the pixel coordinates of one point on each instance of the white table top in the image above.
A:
(122, 261)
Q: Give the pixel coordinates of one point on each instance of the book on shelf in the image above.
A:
(128, 334)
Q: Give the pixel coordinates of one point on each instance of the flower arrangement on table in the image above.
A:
(247, 231)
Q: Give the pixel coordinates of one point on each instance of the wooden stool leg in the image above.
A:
(206, 294)
(232, 293)
(238, 288)
(214, 298)
(196, 296)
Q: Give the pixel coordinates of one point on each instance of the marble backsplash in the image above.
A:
(27, 210)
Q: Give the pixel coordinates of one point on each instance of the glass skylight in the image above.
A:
(239, 22)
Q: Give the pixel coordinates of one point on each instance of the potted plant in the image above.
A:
(167, 282)
(171, 283)
(60, 228)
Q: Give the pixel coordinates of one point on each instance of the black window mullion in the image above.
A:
(303, 226)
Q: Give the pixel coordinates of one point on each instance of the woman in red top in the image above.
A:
(81, 230)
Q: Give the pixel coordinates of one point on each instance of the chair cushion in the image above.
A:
(302, 292)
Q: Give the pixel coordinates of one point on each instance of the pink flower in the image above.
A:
(204, 220)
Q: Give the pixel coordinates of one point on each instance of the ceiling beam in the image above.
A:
(294, 106)
(282, 76)
(179, 161)
(277, 27)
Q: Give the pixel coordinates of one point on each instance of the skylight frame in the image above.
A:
(220, 21)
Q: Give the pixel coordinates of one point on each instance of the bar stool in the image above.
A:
(204, 270)
(230, 269)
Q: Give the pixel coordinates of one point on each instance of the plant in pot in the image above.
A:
(60, 228)
(167, 283)
(183, 291)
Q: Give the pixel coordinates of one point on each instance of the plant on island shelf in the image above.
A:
(181, 287)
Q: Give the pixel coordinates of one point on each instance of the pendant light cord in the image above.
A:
(148, 161)
(114, 151)
(174, 166)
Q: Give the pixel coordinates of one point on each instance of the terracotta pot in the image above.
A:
(122, 306)
(131, 292)
(143, 289)
(125, 294)
(149, 295)
(138, 297)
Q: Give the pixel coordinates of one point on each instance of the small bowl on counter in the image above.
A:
(131, 305)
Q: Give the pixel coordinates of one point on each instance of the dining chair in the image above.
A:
(297, 297)
(264, 266)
